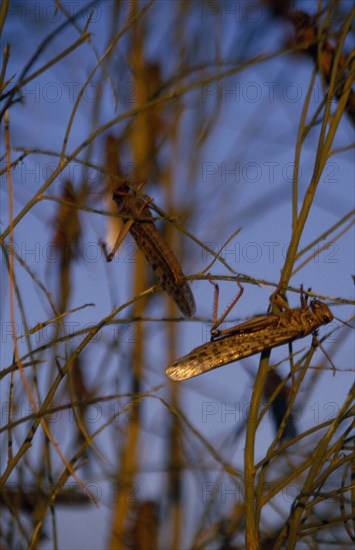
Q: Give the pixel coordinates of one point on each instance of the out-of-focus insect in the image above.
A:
(67, 224)
(156, 250)
(259, 334)
(143, 527)
(279, 404)
(66, 239)
(320, 47)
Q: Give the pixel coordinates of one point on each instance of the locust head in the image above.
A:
(322, 312)
(120, 192)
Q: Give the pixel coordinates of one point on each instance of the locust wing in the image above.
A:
(228, 349)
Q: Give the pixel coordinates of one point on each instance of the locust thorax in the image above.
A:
(322, 312)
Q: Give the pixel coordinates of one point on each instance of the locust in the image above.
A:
(156, 250)
(256, 335)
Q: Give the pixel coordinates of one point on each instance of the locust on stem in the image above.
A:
(156, 250)
(259, 334)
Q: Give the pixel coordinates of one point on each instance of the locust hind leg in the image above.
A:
(217, 322)
(120, 238)
(279, 299)
(126, 227)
